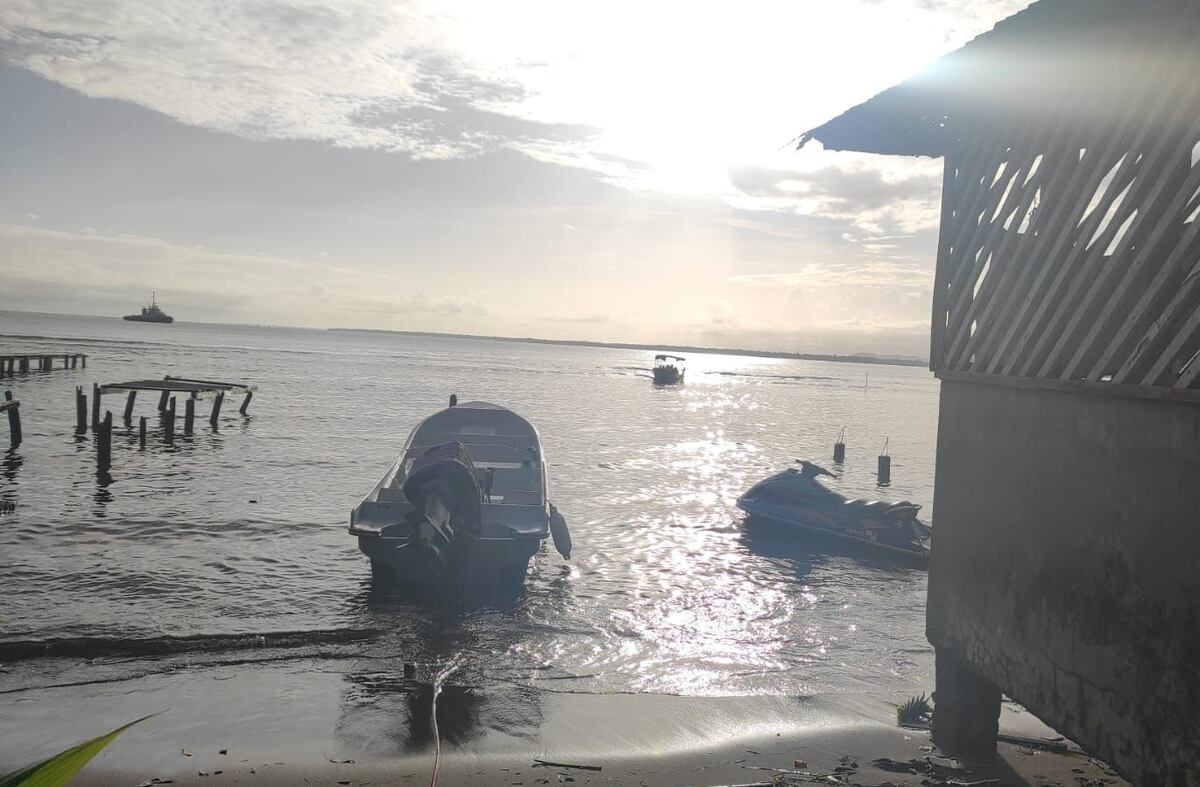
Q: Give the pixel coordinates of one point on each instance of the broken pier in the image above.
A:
(11, 363)
(167, 388)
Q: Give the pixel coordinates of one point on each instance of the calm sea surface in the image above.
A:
(243, 530)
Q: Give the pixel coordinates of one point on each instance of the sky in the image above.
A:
(610, 171)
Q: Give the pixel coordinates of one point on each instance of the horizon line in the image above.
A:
(868, 358)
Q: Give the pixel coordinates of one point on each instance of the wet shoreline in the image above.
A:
(310, 718)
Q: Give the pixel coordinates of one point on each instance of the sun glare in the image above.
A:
(693, 90)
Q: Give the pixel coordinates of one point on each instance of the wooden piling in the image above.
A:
(246, 402)
(14, 419)
(216, 409)
(169, 421)
(25, 365)
(83, 359)
(839, 448)
(74, 360)
(129, 407)
(162, 401)
(189, 414)
(142, 432)
(80, 410)
(885, 466)
(104, 442)
(95, 405)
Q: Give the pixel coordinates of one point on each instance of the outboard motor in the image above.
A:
(442, 486)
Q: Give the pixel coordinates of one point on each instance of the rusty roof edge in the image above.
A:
(1038, 18)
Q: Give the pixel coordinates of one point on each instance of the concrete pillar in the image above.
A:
(966, 715)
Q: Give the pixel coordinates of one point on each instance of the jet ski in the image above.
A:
(796, 499)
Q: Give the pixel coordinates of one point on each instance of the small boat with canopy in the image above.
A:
(669, 369)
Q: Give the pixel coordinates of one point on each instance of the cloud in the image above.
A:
(351, 73)
(878, 197)
(893, 276)
(608, 87)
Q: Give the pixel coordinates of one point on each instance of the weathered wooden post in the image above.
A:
(80, 410)
(839, 448)
(885, 466)
(84, 359)
(129, 406)
(453, 400)
(14, 419)
(189, 414)
(74, 360)
(216, 409)
(95, 405)
(104, 442)
(142, 432)
(169, 421)
(246, 402)
(162, 401)
(25, 365)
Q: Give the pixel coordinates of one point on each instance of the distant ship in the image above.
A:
(150, 313)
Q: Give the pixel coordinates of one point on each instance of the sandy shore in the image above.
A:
(321, 720)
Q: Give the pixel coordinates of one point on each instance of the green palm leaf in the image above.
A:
(58, 770)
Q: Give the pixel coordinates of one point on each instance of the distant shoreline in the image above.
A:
(878, 360)
(881, 360)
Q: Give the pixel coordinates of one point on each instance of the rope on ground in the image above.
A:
(446, 672)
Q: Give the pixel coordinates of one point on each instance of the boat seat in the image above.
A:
(879, 507)
(868, 506)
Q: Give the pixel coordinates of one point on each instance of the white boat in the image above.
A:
(465, 502)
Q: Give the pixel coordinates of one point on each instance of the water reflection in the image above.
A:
(451, 638)
(103, 495)
(8, 494)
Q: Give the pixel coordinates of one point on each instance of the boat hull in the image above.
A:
(400, 560)
(796, 520)
(667, 375)
(140, 318)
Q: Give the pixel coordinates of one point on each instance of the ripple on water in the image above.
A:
(667, 590)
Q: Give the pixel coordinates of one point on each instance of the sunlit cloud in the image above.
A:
(532, 168)
(686, 90)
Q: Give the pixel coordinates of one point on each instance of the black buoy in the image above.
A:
(885, 465)
(839, 448)
(559, 533)
(453, 400)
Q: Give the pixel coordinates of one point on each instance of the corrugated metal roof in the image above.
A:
(1002, 70)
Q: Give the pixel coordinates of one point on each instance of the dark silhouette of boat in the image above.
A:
(669, 369)
(151, 313)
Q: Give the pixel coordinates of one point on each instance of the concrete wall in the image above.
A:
(1066, 565)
